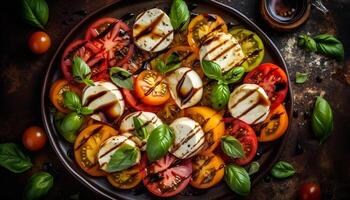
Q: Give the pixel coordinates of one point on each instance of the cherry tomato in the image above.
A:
(34, 138)
(127, 178)
(135, 103)
(310, 191)
(39, 42)
(151, 88)
(246, 135)
(56, 93)
(167, 176)
(208, 170)
(272, 79)
(201, 26)
(274, 126)
(87, 145)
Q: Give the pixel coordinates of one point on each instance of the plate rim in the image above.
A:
(230, 10)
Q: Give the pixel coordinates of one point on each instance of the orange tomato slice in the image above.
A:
(56, 93)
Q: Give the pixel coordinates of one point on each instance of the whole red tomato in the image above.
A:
(310, 191)
(39, 42)
(34, 138)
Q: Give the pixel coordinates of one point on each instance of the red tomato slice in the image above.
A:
(136, 103)
(98, 27)
(246, 135)
(167, 176)
(273, 79)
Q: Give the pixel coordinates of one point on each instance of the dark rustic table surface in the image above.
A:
(22, 73)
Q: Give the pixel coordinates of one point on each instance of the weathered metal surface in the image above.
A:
(21, 76)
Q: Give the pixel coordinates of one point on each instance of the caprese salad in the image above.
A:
(169, 100)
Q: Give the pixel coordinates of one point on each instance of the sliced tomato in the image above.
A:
(272, 79)
(167, 176)
(169, 112)
(87, 145)
(136, 104)
(151, 88)
(127, 178)
(99, 27)
(274, 126)
(185, 53)
(201, 27)
(208, 170)
(56, 93)
(246, 135)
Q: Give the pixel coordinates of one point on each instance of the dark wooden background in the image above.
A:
(21, 77)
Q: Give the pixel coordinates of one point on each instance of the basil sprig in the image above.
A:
(69, 125)
(172, 63)
(325, 44)
(123, 158)
(35, 12)
(81, 71)
(220, 93)
(322, 119)
(121, 78)
(179, 15)
(72, 101)
(232, 147)
(159, 142)
(282, 170)
(140, 129)
(300, 77)
(253, 168)
(237, 178)
(13, 159)
(38, 186)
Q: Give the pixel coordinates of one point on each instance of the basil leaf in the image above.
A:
(232, 147)
(220, 96)
(237, 179)
(329, 45)
(121, 78)
(141, 130)
(81, 71)
(300, 77)
(71, 100)
(122, 158)
(172, 63)
(35, 12)
(282, 170)
(13, 159)
(38, 185)
(307, 43)
(86, 111)
(69, 125)
(159, 142)
(234, 75)
(179, 15)
(253, 168)
(211, 69)
(322, 119)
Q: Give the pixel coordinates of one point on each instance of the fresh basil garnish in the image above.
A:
(325, 44)
(68, 125)
(35, 12)
(121, 78)
(159, 142)
(13, 159)
(123, 158)
(232, 147)
(300, 77)
(220, 96)
(38, 185)
(140, 129)
(237, 178)
(71, 100)
(179, 15)
(282, 170)
(234, 75)
(172, 63)
(81, 71)
(322, 119)
(253, 168)
(211, 69)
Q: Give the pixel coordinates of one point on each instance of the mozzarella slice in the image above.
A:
(150, 121)
(189, 138)
(104, 97)
(186, 87)
(111, 145)
(223, 49)
(153, 31)
(249, 103)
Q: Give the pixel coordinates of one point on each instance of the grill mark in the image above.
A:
(212, 174)
(246, 38)
(213, 49)
(254, 53)
(244, 97)
(153, 88)
(257, 119)
(163, 38)
(95, 96)
(248, 110)
(93, 132)
(185, 57)
(191, 134)
(202, 40)
(195, 173)
(150, 28)
(137, 115)
(141, 15)
(189, 95)
(153, 120)
(225, 51)
(115, 147)
(196, 149)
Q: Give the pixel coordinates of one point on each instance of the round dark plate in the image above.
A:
(269, 151)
